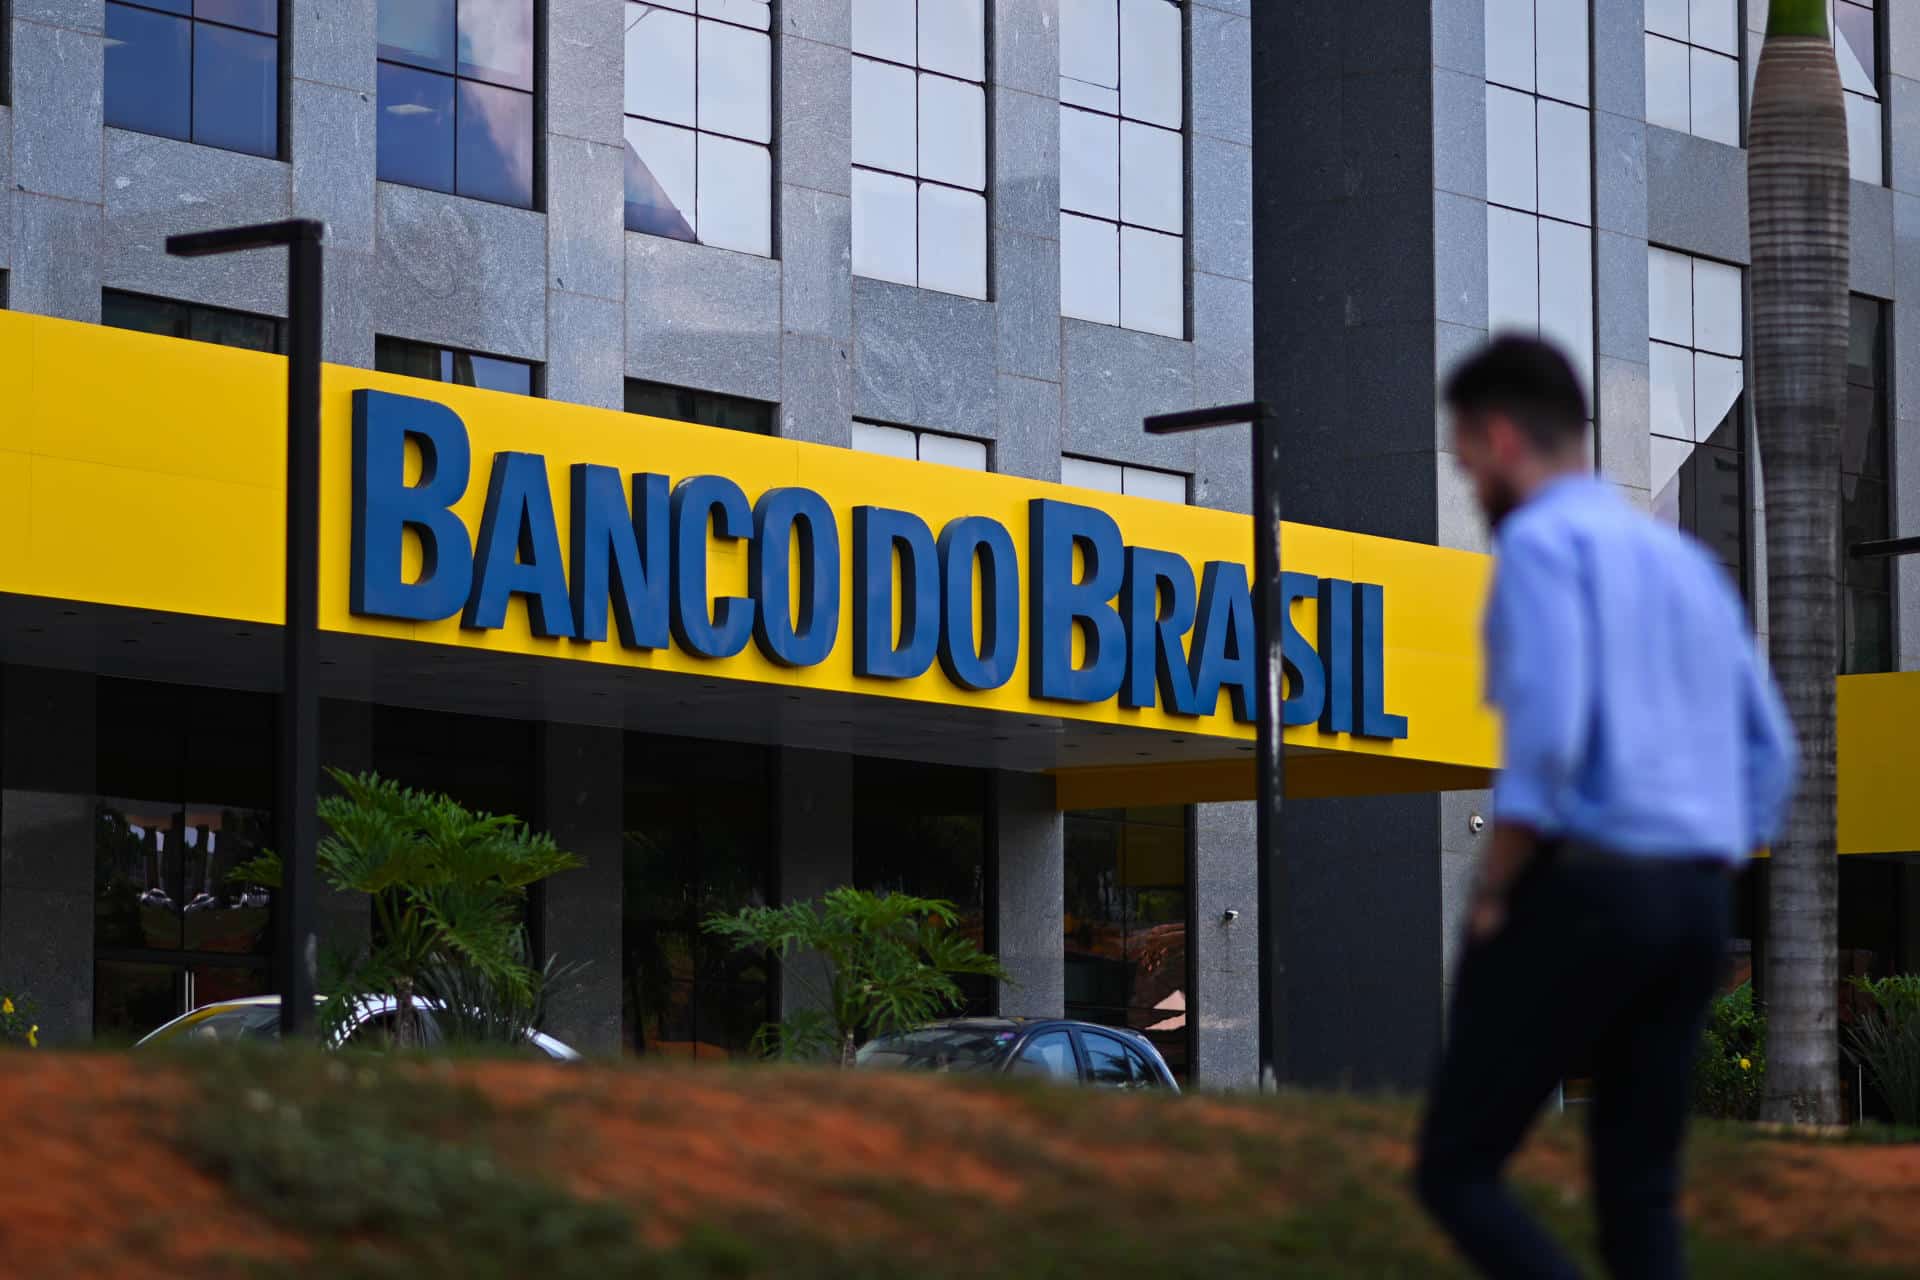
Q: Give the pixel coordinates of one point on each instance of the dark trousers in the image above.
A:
(1606, 962)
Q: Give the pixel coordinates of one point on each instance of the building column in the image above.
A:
(813, 833)
(582, 912)
(1223, 1008)
(46, 848)
(1029, 895)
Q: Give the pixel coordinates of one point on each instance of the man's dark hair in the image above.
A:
(1526, 380)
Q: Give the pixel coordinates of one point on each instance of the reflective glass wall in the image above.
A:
(1127, 906)
(699, 839)
(922, 829)
(184, 794)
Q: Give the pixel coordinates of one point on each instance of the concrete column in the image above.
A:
(46, 847)
(1224, 1006)
(814, 831)
(54, 239)
(1030, 894)
(582, 804)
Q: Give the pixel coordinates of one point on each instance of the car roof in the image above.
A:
(1024, 1022)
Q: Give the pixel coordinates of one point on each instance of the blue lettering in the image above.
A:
(1223, 642)
(697, 503)
(620, 553)
(964, 544)
(879, 534)
(385, 506)
(519, 550)
(1156, 598)
(1059, 605)
(1300, 663)
(781, 517)
(1369, 664)
(1336, 653)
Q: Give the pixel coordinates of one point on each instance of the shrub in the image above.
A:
(1885, 1036)
(1730, 1065)
(17, 1026)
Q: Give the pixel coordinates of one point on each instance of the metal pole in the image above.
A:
(1269, 611)
(299, 719)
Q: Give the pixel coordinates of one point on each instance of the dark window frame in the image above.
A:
(694, 414)
(536, 372)
(1869, 578)
(536, 182)
(283, 72)
(189, 309)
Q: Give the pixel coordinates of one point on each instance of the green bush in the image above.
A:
(17, 1026)
(1886, 1039)
(1730, 1065)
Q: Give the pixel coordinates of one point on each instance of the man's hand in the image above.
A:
(1486, 916)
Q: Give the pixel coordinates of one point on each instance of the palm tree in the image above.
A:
(1797, 180)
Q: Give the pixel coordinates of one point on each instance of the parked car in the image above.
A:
(370, 1027)
(1038, 1048)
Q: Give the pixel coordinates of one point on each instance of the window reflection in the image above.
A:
(206, 73)
(456, 97)
(699, 106)
(193, 320)
(1866, 641)
(706, 408)
(1126, 924)
(1123, 164)
(699, 840)
(922, 829)
(919, 144)
(446, 364)
(1698, 405)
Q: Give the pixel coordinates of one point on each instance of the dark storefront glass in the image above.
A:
(184, 796)
(207, 72)
(456, 97)
(921, 829)
(1866, 640)
(1127, 909)
(174, 319)
(705, 408)
(444, 364)
(699, 840)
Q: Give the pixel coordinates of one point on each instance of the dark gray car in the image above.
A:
(1039, 1048)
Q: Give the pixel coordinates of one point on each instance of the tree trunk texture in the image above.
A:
(1798, 195)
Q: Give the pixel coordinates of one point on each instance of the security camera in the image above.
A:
(1476, 824)
(1229, 916)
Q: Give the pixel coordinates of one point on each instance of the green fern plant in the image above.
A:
(889, 963)
(1886, 1038)
(446, 885)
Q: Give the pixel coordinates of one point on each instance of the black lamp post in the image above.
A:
(1269, 610)
(296, 762)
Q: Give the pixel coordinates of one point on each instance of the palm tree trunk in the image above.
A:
(1797, 180)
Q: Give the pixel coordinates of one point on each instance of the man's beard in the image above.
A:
(1498, 503)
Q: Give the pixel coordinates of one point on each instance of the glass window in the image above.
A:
(699, 840)
(1697, 386)
(1856, 39)
(1048, 1056)
(1693, 68)
(699, 105)
(927, 446)
(1866, 642)
(707, 408)
(1123, 164)
(456, 97)
(445, 364)
(920, 144)
(1110, 477)
(1126, 925)
(922, 829)
(1540, 175)
(1110, 1064)
(209, 73)
(184, 783)
(189, 320)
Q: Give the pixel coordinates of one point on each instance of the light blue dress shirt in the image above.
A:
(1636, 715)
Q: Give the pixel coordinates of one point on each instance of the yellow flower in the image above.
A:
(1746, 1064)
(6, 1004)
(33, 1037)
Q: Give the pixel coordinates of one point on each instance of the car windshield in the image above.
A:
(229, 1022)
(950, 1048)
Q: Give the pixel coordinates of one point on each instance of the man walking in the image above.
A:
(1647, 753)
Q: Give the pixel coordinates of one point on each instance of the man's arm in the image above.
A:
(1773, 756)
(1538, 679)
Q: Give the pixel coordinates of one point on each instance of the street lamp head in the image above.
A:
(1231, 415)
(259, 235)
